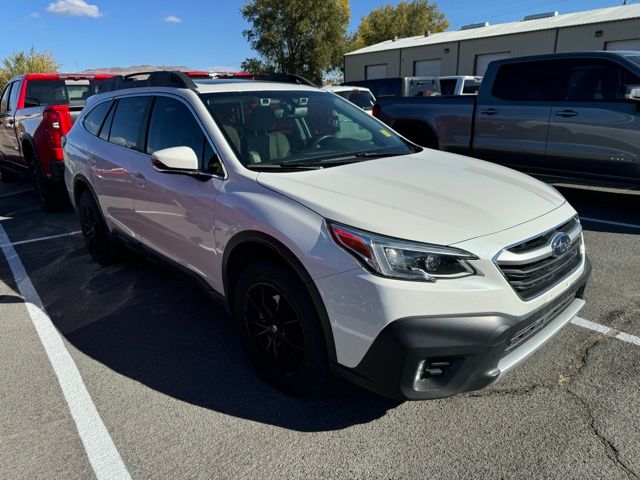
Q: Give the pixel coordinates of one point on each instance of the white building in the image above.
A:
(469, 50)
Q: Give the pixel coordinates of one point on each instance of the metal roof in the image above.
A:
(560, 21)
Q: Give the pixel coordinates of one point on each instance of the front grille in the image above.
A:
(531, 266)
(542, 319)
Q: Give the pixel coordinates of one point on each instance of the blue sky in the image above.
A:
(200, 34)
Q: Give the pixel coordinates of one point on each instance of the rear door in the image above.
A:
(175, 212)
(594, 130)
(512, 117)
(111, 161)
(9, 144)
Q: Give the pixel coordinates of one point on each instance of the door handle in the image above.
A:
(566, 113)
(490, 111)
(140, 180)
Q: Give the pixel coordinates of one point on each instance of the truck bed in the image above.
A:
(423, 120)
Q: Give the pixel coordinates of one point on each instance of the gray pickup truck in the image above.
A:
(570, 115)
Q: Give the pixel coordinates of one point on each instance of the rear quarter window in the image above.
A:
(94, 119)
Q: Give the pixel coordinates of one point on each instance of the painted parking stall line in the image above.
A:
(610, 332)
(49, 237)
(101, 451)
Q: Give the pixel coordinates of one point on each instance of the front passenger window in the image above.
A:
(173, 125)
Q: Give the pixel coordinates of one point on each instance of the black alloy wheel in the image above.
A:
(274, 328)
(280, 326)
(95, 232)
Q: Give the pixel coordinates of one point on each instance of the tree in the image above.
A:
(304, 37)
(27, 62)
(407, 19)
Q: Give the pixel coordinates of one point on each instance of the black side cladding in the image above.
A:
(161, 78)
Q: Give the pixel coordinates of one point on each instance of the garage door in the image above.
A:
(427, 68)
(483, 61)
(373, 72)
(633, 44)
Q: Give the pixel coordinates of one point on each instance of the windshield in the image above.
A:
(362, 99)
(286, 128)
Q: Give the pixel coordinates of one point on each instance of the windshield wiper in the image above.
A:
(284, 166)
(342, 159)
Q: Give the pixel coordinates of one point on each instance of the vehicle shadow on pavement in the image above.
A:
(152, 325)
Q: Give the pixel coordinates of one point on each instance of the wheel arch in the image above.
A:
(249, 246)
(28, 145)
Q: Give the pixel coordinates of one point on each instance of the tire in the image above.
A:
(50, 195)
(7, 176)
(281, 328)
(95, 232)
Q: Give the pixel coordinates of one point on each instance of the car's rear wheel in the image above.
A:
(95, 232)
(281, 327)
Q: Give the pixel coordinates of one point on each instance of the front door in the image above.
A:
(595, 132)
(175, 212)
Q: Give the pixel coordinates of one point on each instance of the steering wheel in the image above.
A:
(314, 143)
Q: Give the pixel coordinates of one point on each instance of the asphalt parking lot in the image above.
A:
(171, 394)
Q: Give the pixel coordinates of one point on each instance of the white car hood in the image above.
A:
(430, 196)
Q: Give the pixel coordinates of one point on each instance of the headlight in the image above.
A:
(394, 258)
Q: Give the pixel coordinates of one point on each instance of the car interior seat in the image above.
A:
(263, 144)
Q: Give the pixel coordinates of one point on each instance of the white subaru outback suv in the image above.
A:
(336, 244)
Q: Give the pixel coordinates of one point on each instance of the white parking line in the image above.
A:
(101, 451)
(610, 222)
(19, 192)
(611, 332)
(40, 239)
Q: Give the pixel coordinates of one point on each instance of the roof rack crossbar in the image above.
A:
(161, 78)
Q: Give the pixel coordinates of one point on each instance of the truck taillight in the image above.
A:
(52, 117)
(56, 122)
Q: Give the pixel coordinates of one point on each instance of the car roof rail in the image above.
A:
(285, 78)
(161, 78)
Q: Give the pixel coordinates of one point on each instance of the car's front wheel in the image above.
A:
(95, 232)
(281, 327)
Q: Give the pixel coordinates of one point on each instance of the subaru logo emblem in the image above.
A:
(560, 243)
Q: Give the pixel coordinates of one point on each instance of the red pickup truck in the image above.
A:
(36, 111)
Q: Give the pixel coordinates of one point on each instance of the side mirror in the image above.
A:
(633, 93)
(175, 160)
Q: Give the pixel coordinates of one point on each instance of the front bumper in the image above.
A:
(433, 357)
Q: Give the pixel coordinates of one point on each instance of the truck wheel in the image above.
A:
(281, 327)
(95, 232)
(50, 196)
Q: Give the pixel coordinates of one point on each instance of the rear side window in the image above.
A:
(93, 121)
(4, 103)
(530, 81)
(173, 125)
(127, 122)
